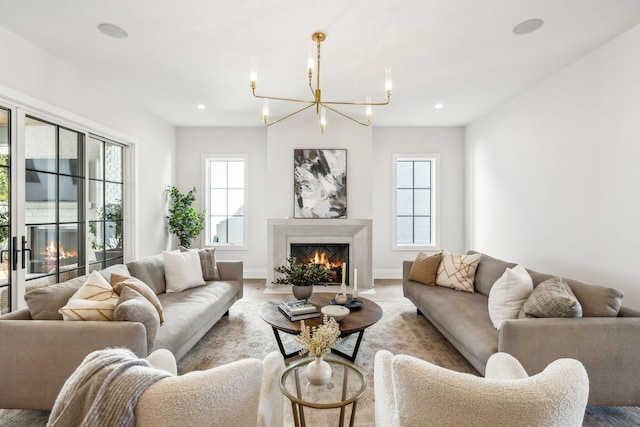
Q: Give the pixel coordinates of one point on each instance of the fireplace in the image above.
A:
(332, 256)
(50, 246)
(354, 233)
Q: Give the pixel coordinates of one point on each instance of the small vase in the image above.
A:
(318, 371)
(302, 292)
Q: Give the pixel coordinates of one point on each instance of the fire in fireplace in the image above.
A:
(48, 251)
(330, 255)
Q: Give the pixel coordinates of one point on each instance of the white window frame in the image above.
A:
(206, 159)
(435, 201)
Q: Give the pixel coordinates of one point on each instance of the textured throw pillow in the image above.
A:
(119, 282)
(182, 270)
(133, 307)
(425, 268)
(95, 300)
(457, 271)
(508, 294)
(551, 298)
(207, 262)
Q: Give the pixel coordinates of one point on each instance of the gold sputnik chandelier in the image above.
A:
(321, 105)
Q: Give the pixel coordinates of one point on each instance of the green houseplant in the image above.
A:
(301, 277)
(184, 220)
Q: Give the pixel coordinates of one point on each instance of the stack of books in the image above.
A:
(298, 310)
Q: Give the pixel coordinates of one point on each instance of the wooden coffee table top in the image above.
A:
(357, 320)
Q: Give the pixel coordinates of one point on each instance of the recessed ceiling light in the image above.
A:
(438, 106)
(112, 30)
(201, 107)
(528, 26)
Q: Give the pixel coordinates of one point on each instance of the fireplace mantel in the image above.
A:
(356, 232)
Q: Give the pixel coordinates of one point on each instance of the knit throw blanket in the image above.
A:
(104, 390)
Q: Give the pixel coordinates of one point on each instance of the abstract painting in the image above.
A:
(320, 183)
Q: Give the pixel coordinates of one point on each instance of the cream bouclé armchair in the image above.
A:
(241, 393)
(413, 392)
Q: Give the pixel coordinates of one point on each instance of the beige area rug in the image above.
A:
(243, 334)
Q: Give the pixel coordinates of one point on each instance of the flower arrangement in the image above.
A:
(298, 274)
(318, 340)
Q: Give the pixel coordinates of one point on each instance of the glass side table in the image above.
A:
(346, 387)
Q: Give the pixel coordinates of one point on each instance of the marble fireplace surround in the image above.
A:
(355, 232)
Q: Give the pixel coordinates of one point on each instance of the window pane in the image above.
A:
(94, 153)
(236, 225)
(422, 230)
(113, 163)
(236, 174)
(218, 205)
(113, 199)
(422, 175)
(236, 202)
(405, 202)
(96, 199)
(69, 148)
(219, 229)
(69, 188)
(404, 230)
(40, 145)
(4, 137)
(422, 202)
(218, 172)
(404, 174)
(4, 195)
(41, 197)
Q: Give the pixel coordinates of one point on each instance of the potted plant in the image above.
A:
(301, 277)
(184, 220)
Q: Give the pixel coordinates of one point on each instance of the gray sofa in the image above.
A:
(37, 356)
(606, 339)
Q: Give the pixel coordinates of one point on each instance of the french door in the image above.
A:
(60, 204)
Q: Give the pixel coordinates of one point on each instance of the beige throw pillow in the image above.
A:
(119, 282)
(551, 298)
(457, 271)
(182, 270)
(508, 295)
(425, 268)
(95, 300)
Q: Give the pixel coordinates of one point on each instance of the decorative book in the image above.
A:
(298, 316)
(298, 307)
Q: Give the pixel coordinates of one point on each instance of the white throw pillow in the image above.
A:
(95, 300)
(508, 294)
(457, 271)
(182, 270)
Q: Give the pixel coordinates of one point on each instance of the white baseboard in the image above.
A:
(387, 273)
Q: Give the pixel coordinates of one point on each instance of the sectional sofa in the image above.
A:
(606, 339)
(39, 350)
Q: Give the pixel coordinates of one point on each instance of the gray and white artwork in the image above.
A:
(320, 183)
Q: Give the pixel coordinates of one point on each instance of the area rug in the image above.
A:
(243, 334)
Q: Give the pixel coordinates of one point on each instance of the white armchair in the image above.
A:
(241, 393)
(413, 392)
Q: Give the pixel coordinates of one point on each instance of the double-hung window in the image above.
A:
(226, 195)
(415, 190)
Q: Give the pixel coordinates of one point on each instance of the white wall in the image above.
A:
(33, 77)
(193, 143)
(369, 156)
(449, 143)
(552, 175)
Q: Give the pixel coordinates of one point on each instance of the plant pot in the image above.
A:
(318, 371)
(302, 292)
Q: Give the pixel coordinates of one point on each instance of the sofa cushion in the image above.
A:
(182, 270)
(133, 307)
(508, 294)
(425, 268)
(45, 302)
(151, 271)
(119, 282)
(596, 300)
(95, 300)
(457, 271)
(489, 270)
(551, 298)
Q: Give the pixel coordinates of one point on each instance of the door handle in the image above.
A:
(25, 249)
(15, 253)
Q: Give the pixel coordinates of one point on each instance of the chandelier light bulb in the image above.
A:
(367, 111)
(253, 76)
(311, 59)
(265, 111)
(323, 119)
(388, 84)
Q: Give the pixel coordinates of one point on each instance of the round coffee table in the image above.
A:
(356, 322)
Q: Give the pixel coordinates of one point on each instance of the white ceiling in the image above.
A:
(179, 54)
